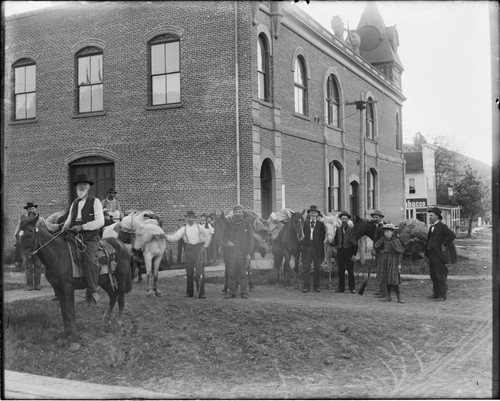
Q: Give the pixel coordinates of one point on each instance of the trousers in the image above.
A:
(309, 255)
(33, 267)
(90, 264)
(344, 262)
(237, 272)
(439, 275)
(193, 263)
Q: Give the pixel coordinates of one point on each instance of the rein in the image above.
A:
(37, 240)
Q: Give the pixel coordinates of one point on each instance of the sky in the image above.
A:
(445, 49)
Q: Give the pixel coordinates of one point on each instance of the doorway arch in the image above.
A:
(100, 170)
(267, 176)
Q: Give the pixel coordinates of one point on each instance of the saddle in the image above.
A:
(106, 256)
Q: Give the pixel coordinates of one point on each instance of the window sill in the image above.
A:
(263, 102)
(94, 114)
(371, 140)
(27, 121)
(302, 116)
(164, 106)
(334, 127)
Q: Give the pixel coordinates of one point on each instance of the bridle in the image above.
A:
(37, 241)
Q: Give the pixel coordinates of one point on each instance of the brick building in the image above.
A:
(199, 105)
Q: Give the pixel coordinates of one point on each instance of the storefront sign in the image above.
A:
(410, 203)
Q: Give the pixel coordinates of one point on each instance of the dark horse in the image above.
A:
(363, 227)
(55, 256)
(288, 244)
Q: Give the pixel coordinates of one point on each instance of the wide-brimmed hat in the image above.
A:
(30, 204)
(237, 207)
(190, 213)
(82, 178)
(389, 227)
(377, 212)
(435, 210)
(112, 191)
(344, 213)
(313, 208)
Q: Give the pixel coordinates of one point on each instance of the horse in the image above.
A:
(147, 236)
(54, 253)
(288, 244)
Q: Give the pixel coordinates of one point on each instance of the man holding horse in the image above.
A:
(347, 248)
(33, 265)
(313, 249)
(85, 218)
(238, 238)
(196, 239)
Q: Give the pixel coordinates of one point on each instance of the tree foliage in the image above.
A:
(471, 194)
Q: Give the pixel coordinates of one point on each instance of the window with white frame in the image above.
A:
(370, 119)
(165, 71)
(370, 189)
(411, 186)
(90, 80)
(263, 88)
(332, 101)
(25, 89)
(334, 188)
(300, 89)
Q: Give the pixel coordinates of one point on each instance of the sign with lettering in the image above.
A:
(417, 202)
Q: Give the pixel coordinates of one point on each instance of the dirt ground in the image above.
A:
(280, 343)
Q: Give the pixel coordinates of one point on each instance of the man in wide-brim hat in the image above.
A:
(32, 266)
(347, 247)
(196, 240)
(313, 249)
(85, 218)
(112, 206)
(438, 240)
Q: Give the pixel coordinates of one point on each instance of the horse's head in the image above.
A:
(28, 233)
(220, 222)
(297, 225)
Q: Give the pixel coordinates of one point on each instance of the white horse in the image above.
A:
(148, 237)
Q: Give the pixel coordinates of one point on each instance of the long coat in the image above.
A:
(441, 235)
(319, 234)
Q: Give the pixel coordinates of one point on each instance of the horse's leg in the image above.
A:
(156, 269)
(66, 298)
(286, 268)
(149, 273)
(106, 286)
(277, 262)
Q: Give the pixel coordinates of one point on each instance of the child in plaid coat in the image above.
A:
(391, 251)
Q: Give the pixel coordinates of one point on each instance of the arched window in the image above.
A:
(90, 80)
(165, 70)
(370, 119)
(398, 132)
(371, 185)
(300, 87)
(332, 101)
(263, 68)
(335, 187)
(25, 89)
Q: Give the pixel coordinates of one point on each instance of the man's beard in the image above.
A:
(81, 193)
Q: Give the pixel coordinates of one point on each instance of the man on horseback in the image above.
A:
(196, 239)
(238, 238)
(85, 218)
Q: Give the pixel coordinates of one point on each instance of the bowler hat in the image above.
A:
(190, 213)
(389, 227)
(237, 207)
(82, 178)
(435, 210)
(377, 212)
(344, 213)
(30, 204)
(314, 208)
(112, 191)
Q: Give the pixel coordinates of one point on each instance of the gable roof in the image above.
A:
(414, 162)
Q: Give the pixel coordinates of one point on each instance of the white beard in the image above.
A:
(81, 193)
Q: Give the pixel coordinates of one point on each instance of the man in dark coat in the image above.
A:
(347, 248)
(439, 238)
(313, 248)
(238, 238)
